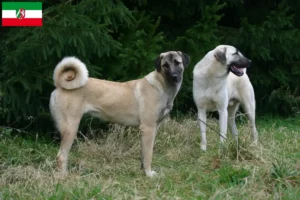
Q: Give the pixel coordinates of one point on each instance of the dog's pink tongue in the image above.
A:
(240, 70)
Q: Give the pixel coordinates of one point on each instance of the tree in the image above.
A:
(119, 40)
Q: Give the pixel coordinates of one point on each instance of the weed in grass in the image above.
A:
(232, 176)
(282, 175)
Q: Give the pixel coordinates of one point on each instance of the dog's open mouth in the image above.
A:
(236, 70)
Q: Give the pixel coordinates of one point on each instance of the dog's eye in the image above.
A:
(176, 62)
(166, 65)
(236, 53)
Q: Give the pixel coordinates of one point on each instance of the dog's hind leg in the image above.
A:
(248, 104)
(202, 124)
(223, 115)
(68, 129)
(232, 109)
(250, 113)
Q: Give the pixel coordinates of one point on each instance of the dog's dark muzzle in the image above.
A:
(176, 77)
(237, 68)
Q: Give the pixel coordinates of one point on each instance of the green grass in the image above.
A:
(108, 167)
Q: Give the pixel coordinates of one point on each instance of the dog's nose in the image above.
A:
(175, 77)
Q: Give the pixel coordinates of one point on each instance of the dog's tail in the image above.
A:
(70, 73)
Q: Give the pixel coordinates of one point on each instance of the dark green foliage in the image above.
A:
(141, 44)
(273, 46)
(30, 54)
(119, 40)
(285, 101)
(197, 41)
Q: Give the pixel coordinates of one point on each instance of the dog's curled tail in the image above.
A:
(70, 73)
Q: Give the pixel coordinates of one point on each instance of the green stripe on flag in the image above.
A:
(24, 5)
(18, 14)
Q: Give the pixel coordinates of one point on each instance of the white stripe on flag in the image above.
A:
(28, 14)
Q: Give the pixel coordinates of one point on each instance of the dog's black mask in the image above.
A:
(172, 64)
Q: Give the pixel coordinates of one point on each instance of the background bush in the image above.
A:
(118, 40)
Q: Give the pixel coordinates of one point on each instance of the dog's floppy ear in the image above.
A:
(157, 63)
(221, 55)
(185, 58)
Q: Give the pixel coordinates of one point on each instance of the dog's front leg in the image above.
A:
(223, 117)
(147, 142)
(202, 123)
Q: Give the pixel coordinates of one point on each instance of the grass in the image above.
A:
(108, 167)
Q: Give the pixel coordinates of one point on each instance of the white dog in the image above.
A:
(221, 83)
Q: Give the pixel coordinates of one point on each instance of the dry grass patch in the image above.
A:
(108, 166)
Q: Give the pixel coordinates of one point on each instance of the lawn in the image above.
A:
(107, 166)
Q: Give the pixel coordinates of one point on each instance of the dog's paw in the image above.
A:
(203, 147)
(150, 173)
(60, 175)
(255, 143)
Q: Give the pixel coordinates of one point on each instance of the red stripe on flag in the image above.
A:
(22, 22)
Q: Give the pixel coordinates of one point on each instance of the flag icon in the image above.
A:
(22, 14)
